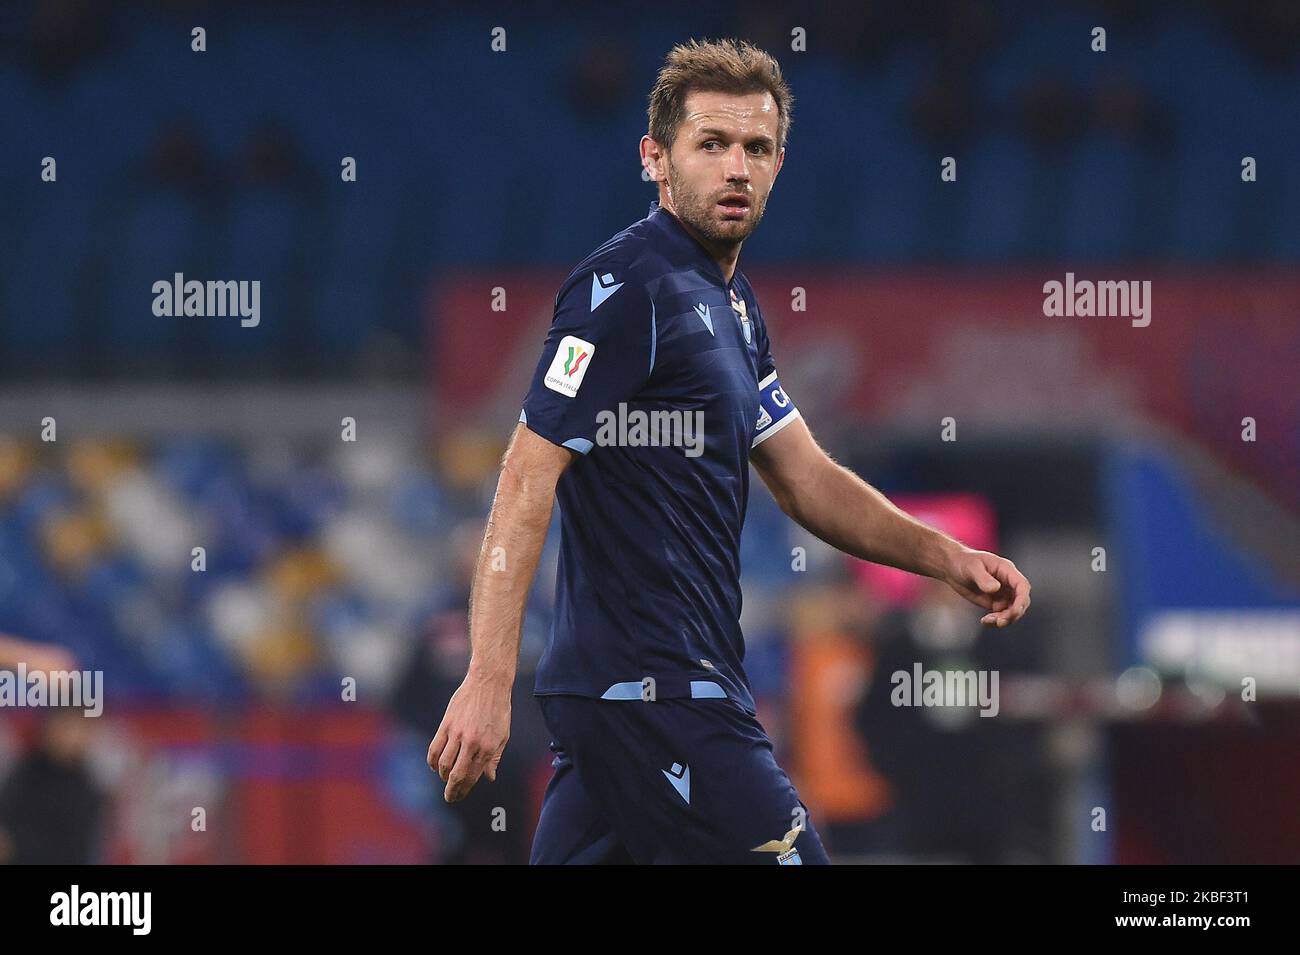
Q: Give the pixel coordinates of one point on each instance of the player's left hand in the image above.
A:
(991, 582)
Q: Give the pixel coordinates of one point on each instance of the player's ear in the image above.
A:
(651, 157)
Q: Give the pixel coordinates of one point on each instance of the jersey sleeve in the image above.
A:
(775, 409)
(598, 353)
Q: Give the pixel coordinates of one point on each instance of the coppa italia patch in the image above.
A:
(569, 366)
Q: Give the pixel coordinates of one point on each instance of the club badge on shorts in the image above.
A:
(787, 854)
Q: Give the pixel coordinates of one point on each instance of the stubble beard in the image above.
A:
(700, 212)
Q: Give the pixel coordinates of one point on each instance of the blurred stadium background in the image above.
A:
(477, 170)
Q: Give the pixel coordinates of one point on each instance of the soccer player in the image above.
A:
(658, 755)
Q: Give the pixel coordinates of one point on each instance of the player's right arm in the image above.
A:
(476, 726)
(599, 351)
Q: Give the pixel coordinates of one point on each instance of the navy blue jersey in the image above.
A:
(659, 374)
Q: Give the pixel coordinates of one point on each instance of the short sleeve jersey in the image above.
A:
(659, 375)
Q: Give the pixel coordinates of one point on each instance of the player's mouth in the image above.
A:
(734, 206)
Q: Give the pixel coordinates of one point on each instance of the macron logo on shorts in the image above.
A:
(680, 777)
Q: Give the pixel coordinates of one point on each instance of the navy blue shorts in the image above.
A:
(685, 781)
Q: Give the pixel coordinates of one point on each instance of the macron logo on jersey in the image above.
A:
(702, 310)
(602, 287)
(569, 366)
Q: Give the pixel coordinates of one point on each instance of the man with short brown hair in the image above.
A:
(655, 391)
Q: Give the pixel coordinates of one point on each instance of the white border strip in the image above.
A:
(775, 428)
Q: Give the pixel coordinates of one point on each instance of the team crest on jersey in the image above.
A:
(742, 313)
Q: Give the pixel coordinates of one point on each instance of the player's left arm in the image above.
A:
(849, 514)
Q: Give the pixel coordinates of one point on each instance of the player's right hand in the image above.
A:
(472, 736)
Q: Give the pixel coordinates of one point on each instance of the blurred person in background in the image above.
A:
(958, 780)
(430, 676)
(935, 758)
(51, 807)
(832, 659)
(962, 783)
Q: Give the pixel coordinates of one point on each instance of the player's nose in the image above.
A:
(737, 163)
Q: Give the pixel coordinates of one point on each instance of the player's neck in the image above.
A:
(724, 256)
